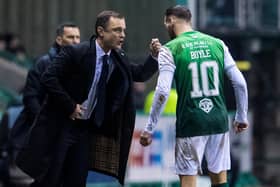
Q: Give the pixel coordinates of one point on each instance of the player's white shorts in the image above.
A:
(189, 152)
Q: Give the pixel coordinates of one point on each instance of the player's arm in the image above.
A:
(166, 72)
(240, 91)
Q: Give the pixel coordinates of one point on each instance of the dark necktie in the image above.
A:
(101, 93)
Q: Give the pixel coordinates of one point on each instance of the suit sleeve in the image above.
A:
(142, 72)
(53, 77)
(33, 92)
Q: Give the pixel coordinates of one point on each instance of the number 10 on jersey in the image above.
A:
(201, 72)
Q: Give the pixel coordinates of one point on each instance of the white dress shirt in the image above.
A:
(90, 103)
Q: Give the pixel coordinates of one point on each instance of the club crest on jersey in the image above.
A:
(206, 105)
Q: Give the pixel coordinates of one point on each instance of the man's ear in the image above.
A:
(58, 40)
(100, 31)
(173, 19)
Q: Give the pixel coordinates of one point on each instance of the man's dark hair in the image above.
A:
(180, 12)
(60, 28)
(103, 18)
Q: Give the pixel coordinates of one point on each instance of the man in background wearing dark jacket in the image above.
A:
(33, 94)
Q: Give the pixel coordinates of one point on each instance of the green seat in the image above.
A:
(8, 97)
(247, 179)
(26, 63)
(148, 184)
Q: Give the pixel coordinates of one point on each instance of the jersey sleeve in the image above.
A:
(229, 61)
(164, 82)
(239, 85)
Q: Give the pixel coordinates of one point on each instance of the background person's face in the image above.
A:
(114, 34)
(71, 35)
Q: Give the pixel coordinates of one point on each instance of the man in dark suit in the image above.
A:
(74, 131)
(33, 93)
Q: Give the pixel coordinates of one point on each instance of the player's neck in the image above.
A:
(182, 28)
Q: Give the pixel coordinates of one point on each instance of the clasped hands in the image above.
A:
(78, 112)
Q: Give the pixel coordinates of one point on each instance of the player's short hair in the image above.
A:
(103, 18)
(180, 12)
(60, 28)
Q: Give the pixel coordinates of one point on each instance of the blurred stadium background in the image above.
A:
(251, 29)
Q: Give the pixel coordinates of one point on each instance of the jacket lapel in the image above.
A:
(118, 83)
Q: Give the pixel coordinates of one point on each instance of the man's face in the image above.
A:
(112, 37)
(169, 24)
(71, 35)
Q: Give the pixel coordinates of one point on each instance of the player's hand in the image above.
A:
(145, 138)
(155, 46)
(239, 127)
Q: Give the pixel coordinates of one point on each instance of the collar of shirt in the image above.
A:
(100, 52)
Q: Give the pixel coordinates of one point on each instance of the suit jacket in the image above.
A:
(68, 80)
